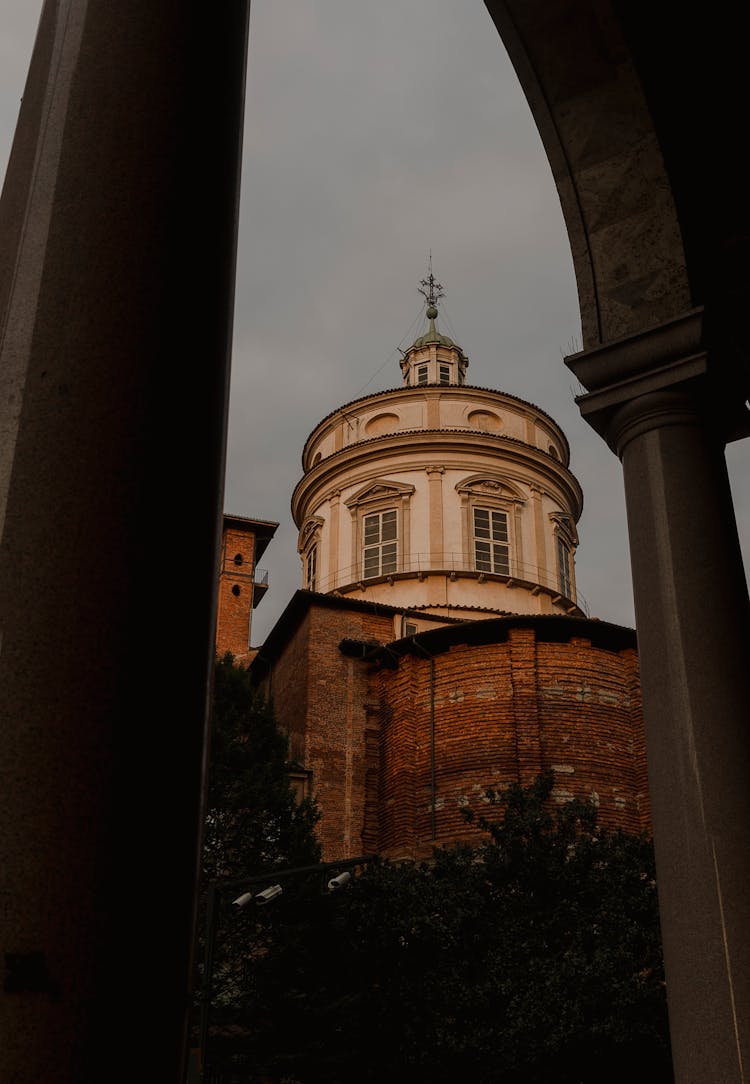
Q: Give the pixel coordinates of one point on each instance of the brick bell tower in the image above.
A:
(241, 583)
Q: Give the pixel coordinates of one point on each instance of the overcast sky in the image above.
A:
(374, 133)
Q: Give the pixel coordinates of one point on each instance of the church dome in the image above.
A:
(439, 497)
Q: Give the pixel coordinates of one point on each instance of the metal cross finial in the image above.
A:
(429, 288)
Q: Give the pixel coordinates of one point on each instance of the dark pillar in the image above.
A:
(659, 406)
(117, 242)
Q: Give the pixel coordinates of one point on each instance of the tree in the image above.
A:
(253, 820)
(534, 958)
(253, 825)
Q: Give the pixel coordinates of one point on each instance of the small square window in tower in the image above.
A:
(491, 551)
(445, 374)
(422, 372)
(381, 543)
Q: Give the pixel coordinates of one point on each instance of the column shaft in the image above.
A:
(117, 232)
(692, 619)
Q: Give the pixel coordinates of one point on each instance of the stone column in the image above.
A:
(661, 414)
(117, 242)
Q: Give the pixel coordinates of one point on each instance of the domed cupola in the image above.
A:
(438, 497)
(433, 358)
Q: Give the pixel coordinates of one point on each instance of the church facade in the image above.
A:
(438, 649)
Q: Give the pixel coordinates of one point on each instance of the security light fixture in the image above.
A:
(340, 881)
(268, 894)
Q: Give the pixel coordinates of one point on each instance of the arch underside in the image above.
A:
(650, 173)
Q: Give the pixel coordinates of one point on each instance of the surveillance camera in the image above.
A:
(340, 881)
(269, 894)
(243, 900)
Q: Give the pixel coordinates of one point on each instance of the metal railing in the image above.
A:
(452, 563)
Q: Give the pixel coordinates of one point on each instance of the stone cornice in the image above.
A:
(446, 446)
(437, 391)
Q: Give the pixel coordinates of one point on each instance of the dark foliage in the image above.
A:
(254, 826)
(533, 958)
(253, 822)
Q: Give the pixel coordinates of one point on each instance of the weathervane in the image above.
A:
(431, 290)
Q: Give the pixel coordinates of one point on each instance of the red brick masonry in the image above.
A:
(469, 706)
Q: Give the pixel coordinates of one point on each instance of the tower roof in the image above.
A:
(432, 291)
(432, 335)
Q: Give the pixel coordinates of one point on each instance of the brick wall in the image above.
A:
(502, 712)
(321, 701)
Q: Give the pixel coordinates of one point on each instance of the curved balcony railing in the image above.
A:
(530, 577)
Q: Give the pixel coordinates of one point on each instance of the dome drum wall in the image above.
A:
(429, 407)
(488, 715)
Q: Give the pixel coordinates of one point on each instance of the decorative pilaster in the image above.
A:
(332, 577)
(538, 520)
(437, 541)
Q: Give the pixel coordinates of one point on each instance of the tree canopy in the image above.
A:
(253, 821)
(535, 957)
(254, 825)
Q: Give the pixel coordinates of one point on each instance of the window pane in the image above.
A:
(482, 556)
(500, 526)
(500, 559)
(563, 563)
(372, 529)
(445, 374)
(422, 374)
(389, 526)
(372, 561)
(389, 557)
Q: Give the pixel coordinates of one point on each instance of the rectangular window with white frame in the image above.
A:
(563, 568)
(380, 551)
(422, 374)
(445, 374)
(311, 568)
(491, 547)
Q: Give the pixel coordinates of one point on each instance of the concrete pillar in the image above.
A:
(659, 413)
(117, 241)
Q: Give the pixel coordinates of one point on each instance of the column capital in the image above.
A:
(654, 410)
(659, 377)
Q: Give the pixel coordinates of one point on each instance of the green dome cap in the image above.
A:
(432, 335)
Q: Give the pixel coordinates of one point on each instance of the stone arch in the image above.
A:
(583, 87)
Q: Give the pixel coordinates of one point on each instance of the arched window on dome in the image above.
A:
(380, 528)
(563, 568)
(380, 537)
(491, 511)
(308, 549)
(491, 547)
(311, 568)
(566, 540)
